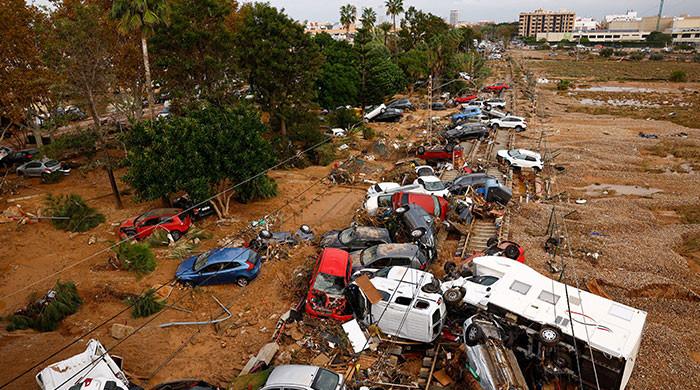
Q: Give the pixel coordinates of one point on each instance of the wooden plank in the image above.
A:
(368, 289)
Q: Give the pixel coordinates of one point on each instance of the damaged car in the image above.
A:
(330, 277)
(466, 131)
(420, 226)
(173, 221)
(355, 238)
(436, 153)
(266, 238)
(389, 255)
(521, 158)
(220, 266)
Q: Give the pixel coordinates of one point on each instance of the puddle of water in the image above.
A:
(619, 189)
(618, 103)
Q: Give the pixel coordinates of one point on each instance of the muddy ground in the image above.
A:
(635, 237)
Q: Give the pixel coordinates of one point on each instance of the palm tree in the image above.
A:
(368, 19)
(385, 28)
(348, 16)
(394, 8)
(142, 15)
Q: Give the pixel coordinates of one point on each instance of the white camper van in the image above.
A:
(555, 317)
(92, 369)
(402, 302)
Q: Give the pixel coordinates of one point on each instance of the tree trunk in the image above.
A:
(283, 126)
(147, 68)
(394, 18)
(108, 162)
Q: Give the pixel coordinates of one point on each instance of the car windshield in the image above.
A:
(425, 171)
(51, 163)
(329, 284)
(434, 185)
(384, 201)
(325, 380)
(514, 153)
(201, 261)
(346, 236)
(368, 254)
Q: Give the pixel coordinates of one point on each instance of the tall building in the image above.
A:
(539, 21)
(454, 17)
(630, 15)
(585, 24)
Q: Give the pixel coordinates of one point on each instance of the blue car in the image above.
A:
(466, 113)
(220, 265)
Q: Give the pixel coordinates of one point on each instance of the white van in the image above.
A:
(376, 200)
(402, 302)
(555, 316)
(93, 369)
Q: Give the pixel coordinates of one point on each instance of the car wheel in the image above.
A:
(491, 242)
(512, 252)
(432, 287)
(453, 296)
(495, 126)
(537, 169)
(473, 335)
(449, 267)
(549, 335)
(518, 128)
(449, 148)
(421, 150)
(175, 234)
(242, 281)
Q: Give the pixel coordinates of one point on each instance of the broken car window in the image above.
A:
(433, 185)
(201, 261)
(325, 380)
(330, 284)
(346, 236)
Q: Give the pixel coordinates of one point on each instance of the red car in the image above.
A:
(465, 99)
(326, 292)
(432, 204)
(145, 224)
(440, 152)
(496, 87)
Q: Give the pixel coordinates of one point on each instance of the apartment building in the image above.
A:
(541, 21)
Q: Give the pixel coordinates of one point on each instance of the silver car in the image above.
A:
(36, 168)
(300, 377)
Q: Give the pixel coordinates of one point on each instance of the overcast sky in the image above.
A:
(476, 10)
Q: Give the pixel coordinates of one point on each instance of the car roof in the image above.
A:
(372, 231)
(292, 374)
(529, 153)
(429, 178)
(387, 250)
(161, 212)
(334, 261)
(225, 255)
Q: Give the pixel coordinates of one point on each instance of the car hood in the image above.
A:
(330, 239)
(185, 268)
(502, 153)
(128, 222)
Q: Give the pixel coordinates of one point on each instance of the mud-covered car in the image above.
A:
(420, 226)
(466, 131)
(388, 255)
(266, 238)
(439, 152)
(460, 184)
(355, 238)
(326, 290)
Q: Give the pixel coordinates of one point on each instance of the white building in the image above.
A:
(454, 17)
(629, 16)
(585, 24)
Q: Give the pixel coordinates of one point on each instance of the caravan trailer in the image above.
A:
(551, 319)
(402, 302)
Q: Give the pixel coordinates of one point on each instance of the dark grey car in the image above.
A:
(460, 184)
(467, 131)
(402, 104)
(420, 226)
(355, 238)
(388, 255)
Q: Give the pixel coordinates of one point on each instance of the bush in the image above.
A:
(620, 53)
(343, 118)
(145, 304)
(563, 85)
(696, 58)
(638, 56)
(259, 188)
(79, 143)
(137, 258)
(606, 52)
(325, 154)
(678, 76)
(75, 215)
(368, 133)
(51, 178)
(45, 314)
(656, 56)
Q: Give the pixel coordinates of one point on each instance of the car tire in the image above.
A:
(421, 150)
(491, 242)
(537, 169)
(518, 128)
(449, 148)
(432, 287)
(453, 296)
(175, 234)
(242, 281)
(512, 252)
(473, 335)
(549, 336)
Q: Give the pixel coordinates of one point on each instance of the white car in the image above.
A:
(304, 378)
(521, 158)
(497, 103)
(430, 185)
(383, 187)
(425, 170)
(509, 122)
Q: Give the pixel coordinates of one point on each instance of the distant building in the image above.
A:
(337, 31)
(454, 17)
(597, 36)
(541, 21)
(686, 29)
(585, 24)
(630, 15)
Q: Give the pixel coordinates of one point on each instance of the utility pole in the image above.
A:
(430, 109)
(658, 18)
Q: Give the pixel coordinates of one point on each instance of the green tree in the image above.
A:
(194, 52)
(338, 79)
(394, 8)
(385, 28)
(657, 38)
(142, 16)
(368, 19)
(418, 27)
(348, 16)
(505, 32)
(414, 64)
(278, 60)
(381, 77)
(203, 154)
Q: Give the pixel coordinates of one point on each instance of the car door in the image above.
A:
(230, 272)
(146, 227)
(33, 168)
(210, 274)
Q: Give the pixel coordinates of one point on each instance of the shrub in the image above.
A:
(145, 304)
(77, 143)
(73, 213)
(368, 133)
(262, 187)
(325, 154)
(638, 56)
(696, 58)
(343, 118)
(656, 56)
(563, 85)
(50, 178)
(620, 53)
(678, 76)
(45, 314)
(137, 258)
(606, 52)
